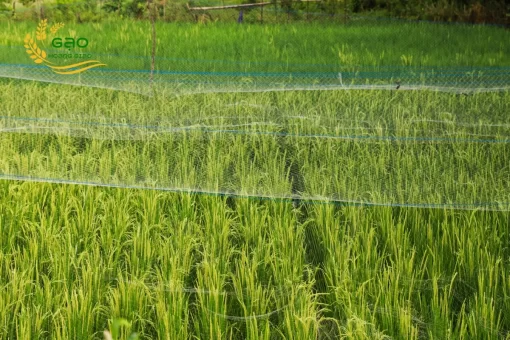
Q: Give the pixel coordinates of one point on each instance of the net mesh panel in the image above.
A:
(444, 143)
(362, 53)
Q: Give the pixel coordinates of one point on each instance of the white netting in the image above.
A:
(376, 148)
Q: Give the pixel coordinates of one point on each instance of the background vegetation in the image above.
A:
(472, 11)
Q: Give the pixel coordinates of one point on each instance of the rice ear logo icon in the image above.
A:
(40, 56)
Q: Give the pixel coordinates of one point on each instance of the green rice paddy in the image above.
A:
(198, 232)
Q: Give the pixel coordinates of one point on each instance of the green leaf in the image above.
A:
(116, 324)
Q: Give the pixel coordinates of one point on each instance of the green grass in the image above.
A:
(283, 47)
(407, 148)
(229, 57)
(74, 258)
(181, 266)
(195, 266)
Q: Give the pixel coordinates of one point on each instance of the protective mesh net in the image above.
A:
(167, 58)
(425, 147)
(353, 147)
(185, 82)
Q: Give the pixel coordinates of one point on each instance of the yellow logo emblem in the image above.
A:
(40, 56)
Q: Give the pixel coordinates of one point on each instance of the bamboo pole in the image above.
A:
(259, 4)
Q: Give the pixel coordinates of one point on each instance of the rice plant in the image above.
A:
(279, 215)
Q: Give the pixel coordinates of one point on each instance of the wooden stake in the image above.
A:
(152, 15)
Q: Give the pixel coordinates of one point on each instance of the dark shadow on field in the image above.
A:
(315, 252)
(328, 330)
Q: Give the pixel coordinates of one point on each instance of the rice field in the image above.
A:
(360, 214)
(184, 266)
(276, 48)
(397, 146)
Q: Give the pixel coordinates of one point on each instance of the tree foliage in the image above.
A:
(474, 11)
